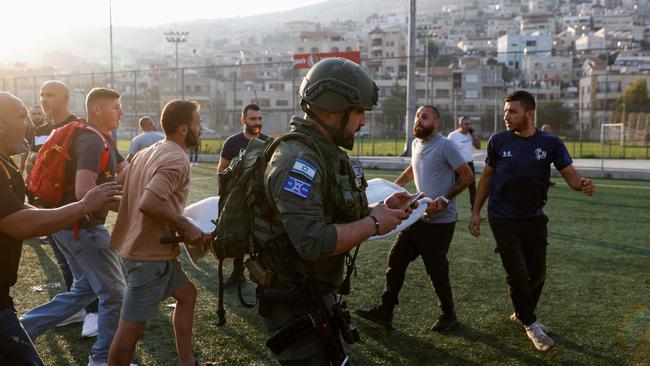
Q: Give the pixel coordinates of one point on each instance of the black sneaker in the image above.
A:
(379, 315)
(445, 322)
(234, 280)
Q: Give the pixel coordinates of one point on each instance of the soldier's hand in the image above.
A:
(474, 225)
(388, 218)
(398, 199)
(101, 196)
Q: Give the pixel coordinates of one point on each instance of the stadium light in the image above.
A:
(176, 38)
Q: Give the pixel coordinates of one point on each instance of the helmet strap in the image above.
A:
(337, 134)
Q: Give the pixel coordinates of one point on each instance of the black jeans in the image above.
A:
(521, 244)
(472, 185)
(64, 267)
(16, 348)
(431, 241)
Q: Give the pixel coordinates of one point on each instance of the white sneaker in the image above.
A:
(89, 328)
(513, 318)
(92, 362)
(75, 318)
(540, 339)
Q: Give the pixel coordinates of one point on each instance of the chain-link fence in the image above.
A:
(223, 90)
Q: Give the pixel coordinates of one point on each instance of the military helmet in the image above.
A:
(337, 84)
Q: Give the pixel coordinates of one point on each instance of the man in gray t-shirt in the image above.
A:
(148, 137)
(434, 162)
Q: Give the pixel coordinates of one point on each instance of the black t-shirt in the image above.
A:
(12, 198)
(87, 150)
(236, 142)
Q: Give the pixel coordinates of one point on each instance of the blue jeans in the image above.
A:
(62, 262)
(15, 346)
(97, 273)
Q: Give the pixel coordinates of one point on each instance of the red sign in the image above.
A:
(307, 60)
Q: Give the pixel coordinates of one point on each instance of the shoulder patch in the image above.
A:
(298, 187)
(304, 168)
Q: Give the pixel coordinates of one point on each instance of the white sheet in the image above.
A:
(204, 211)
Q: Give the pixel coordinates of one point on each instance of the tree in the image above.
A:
(555, 114)
(394, 109)
(634, 98)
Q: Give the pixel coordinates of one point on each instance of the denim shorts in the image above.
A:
(147, 284)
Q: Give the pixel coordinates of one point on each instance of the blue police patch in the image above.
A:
(297, 187)
(304, 168)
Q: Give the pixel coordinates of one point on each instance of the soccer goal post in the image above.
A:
(610, 132)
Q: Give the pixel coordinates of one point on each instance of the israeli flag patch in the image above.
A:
(304, 168)
(297, 187)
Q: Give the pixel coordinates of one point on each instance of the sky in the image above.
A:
(26, 25)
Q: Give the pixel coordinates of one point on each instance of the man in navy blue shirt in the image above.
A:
(516, 177)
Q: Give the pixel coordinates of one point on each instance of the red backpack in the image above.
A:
(47, 178)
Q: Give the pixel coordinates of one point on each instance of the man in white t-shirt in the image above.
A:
(466, 141)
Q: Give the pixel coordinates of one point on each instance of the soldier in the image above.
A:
(321, 213)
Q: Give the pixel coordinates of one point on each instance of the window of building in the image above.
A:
(531, 43)
(442, 93)
(281, 103)
(471, 94)
(264, 102)
(335, 49)
(314, 50)
(471, 78)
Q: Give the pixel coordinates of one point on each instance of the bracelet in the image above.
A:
(374, 218)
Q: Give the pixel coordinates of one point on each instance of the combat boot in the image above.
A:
(445, 322)
(378, 314)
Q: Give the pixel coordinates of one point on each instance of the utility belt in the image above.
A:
(328, 322)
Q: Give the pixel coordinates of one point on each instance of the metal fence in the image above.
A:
(223, 90)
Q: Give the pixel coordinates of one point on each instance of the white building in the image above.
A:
(545, 67)
(511, 48)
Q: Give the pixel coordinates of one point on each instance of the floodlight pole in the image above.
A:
(410, 82)
(176, 38)
(110, 27)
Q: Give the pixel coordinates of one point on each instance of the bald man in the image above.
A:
(55, 97)
(148, 137)
(16, 347)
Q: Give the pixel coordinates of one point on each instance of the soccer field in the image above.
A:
(596, 300)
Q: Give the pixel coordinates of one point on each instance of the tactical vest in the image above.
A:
(344, 201)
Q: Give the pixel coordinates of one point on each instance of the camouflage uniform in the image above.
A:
(307, 217)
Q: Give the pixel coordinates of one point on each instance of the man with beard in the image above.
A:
(95, 267)
(251, 120)
(156, 186)
(433, 166)
(516, 178)
(55, 98)
(34, 137)
(321, 213)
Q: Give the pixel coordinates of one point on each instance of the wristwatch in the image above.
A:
(445, 199)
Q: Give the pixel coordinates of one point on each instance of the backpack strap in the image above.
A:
(7, 173)
(106, 155)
